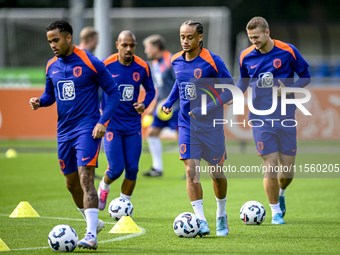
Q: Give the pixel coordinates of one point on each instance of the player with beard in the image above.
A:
(123, 140)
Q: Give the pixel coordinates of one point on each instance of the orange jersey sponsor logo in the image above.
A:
(54, 72)
(77, 71)
(183, 148)
(83, 159)
(260, 146)
(136, 76)
(252, 67)
(277, 63)
(115, 75)
(109, 136)
(197, 73)
(61, 164)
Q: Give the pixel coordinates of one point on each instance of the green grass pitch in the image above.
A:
(312, 219)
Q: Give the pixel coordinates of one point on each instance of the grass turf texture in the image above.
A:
(313, 207)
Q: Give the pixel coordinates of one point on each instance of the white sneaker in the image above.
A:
(88, 242)
(100, 226)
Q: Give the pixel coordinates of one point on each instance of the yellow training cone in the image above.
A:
(3, 246)
(24, 210)
(125, 225)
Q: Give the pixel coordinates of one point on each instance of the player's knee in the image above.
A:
(155, 132)
(217, 175)
(73, 187)
(114, 175)
(190, 168)
(131, 174)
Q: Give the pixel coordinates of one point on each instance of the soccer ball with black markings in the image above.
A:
(63, 238)
(252, 213)
(120, 207)
(187, 225)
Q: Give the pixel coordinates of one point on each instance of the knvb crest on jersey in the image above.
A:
(126, 91)
(197, 73)
(260, 145)
(136, 76)
(182, 148)
(277, 63)
(109, 136)
(66, 90)
(266, 80)
(61, 164)
(77, 71)
(188, 91)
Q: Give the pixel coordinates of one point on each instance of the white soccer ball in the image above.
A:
(120, 207)
(63, 238)
(186, 225)
(252, 213)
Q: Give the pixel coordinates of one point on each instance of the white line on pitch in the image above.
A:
(105, 241)
(124, 237)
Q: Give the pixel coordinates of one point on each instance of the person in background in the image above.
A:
(88, 39)
(164, 78)
(89, 42)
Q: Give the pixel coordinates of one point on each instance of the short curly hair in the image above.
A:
(62, 25)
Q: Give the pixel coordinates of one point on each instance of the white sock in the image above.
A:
(92, 220)
(198, 209)
(221, 204)
(125, 196)
(155, 148)
(82, 211)
(275, 208)
(282, 192)
(104, 186)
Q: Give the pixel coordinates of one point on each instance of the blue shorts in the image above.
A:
(80, 151)
(207, 145)
(172, 123)
(122, 152)
(270, 139)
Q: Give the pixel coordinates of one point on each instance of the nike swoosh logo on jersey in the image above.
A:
(83, 159)
(115, 75)
(216, 158)
(55, 72)
(177, 71)
(252, 67)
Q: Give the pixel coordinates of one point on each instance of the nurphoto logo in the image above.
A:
(238, 100)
